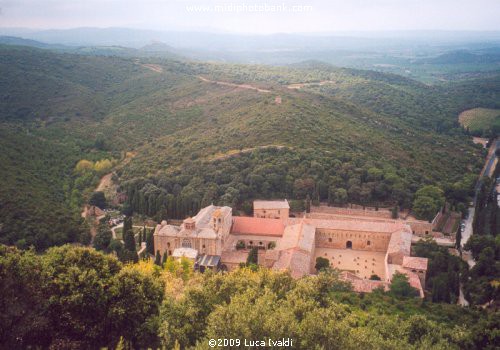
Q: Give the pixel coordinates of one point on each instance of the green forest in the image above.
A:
(177, 143)
(172, 143)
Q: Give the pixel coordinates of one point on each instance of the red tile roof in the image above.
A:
(361, 285)
(257, 226)
(413, 262)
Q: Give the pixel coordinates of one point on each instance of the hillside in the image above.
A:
(363, 137)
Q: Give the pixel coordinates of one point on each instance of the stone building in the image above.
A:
(206, 232)
(361, 248)
(271, 209)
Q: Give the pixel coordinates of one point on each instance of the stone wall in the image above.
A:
(381, 213)
(420, 227)
(328, 238)
(282, 214)
(169, 244)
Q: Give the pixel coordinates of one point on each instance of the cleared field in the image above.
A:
(479, 119)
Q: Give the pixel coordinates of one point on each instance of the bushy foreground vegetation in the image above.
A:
(73, 297)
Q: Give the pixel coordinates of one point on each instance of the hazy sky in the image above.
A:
(255, 16)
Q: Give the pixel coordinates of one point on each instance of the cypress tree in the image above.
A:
(253, 256)
(158, 258)
(129, 240)
(150, 242)
(164, 259)
(458, 237)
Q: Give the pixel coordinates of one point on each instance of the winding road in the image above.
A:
(467, 232)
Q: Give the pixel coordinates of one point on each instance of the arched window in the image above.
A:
(186, 243)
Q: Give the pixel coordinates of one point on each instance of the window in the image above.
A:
(348, 245)
(260, 243)
(186, 243)
(203, 246)
(368, 243)
(329, 239)
(168, 244)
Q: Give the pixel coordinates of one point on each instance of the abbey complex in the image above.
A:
(368, 247)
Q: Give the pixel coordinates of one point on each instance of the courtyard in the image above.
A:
(362, 263)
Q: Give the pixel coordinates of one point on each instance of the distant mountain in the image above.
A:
(157, 46)
(137, 38)
(12, 40)
(464, 57)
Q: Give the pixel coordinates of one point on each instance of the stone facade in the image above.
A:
(379, 245)
(206, 232)
(271, 209)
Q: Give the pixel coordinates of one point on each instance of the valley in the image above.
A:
(364, 178)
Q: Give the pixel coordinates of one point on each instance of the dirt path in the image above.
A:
(154, 67)
(241, 86)
(105, 183)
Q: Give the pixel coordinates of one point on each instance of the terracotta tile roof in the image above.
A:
(234, 257)
(361, 285)
(413, 278)
(257, 226)
(296, 261)
(400, 243)
(300, 236)
(351, 225)
(415, 282)
(282, 204)
(413, 262)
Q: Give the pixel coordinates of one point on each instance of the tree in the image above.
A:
(428, 201)
(103, 237)
(98, 199)
(395, 212)
(129, 240)
(84, 166)
(24, 321)
(103, 166)
(458, 238)
(440, 289)
(164, 258)
(253, 256)
(127, 224)
(321, 263)
(150, 242)
(477, 243)
(129, 253)
(400, 287)
(78, 285)
(158, 258)
(136, 296)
